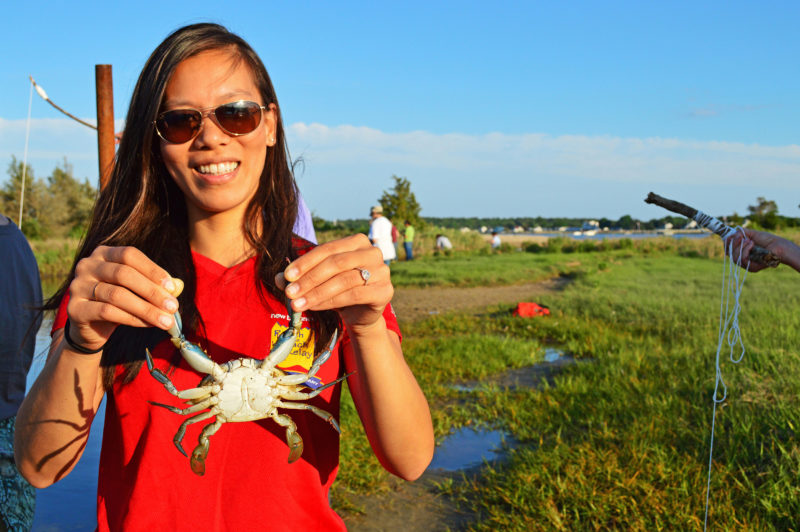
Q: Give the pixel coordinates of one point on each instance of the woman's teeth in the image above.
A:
(217, 168)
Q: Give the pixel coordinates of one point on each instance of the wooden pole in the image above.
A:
(105, 121)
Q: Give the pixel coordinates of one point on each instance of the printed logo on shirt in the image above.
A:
(302, 356)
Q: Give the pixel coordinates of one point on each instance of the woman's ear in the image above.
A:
(271, 123)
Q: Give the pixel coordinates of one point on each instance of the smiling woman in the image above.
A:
(202, 190)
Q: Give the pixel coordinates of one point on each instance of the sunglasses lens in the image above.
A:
(180, 125)
(238, 118)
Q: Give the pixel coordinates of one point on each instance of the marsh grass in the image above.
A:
(622, 442)
(54, 256)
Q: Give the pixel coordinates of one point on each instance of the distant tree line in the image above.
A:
(759, 217)
(54, 207)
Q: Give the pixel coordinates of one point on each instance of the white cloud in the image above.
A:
(598, 158)
(536, 173)
(50, 140)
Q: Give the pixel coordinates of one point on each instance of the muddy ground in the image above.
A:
(418, 506)
(411, 304)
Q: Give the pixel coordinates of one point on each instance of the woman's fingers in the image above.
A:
(119, 286)
(338, 281)
(338, 274)
(115, 281)
(310, 260)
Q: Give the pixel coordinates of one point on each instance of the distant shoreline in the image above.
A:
(518, 239)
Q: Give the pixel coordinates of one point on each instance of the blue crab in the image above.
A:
(244, 389)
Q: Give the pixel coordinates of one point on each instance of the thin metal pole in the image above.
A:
(105, 121)
(25, 158)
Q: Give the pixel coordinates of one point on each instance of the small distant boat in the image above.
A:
(590, 228)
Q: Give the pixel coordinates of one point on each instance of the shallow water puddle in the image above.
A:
(468, 447)
(552, 354)
(554, 361)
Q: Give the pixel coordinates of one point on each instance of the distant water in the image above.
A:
(70, 505)
(600, 235)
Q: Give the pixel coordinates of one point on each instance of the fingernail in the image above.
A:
(291, 289)
(166, 321)
(291, 274)
(169, 285)
(300, 303)
(171, 305)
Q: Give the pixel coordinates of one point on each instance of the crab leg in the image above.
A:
(202, 405)
(182, 429)
(192, 354)
(302, 396)
(300, 378)
(293, 439)
(160, 376)
(316, 410)
(198, 459)
(285, 342)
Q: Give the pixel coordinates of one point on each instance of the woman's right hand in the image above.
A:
(118, 286)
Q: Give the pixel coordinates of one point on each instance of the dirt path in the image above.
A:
(418, 506)
(417, 303)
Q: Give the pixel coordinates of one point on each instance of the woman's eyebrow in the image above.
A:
(228, 97)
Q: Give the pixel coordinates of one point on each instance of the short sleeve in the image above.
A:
(61, 315)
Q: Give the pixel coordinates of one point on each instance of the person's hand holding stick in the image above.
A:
(758, 256)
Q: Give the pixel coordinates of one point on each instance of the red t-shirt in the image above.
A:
(144, 481)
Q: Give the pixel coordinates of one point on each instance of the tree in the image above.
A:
(765, 213)
(33, 199)
(626, 222)
(59, 207)
(72, 200)
(400, 204)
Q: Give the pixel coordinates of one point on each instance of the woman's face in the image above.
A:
(217, 172)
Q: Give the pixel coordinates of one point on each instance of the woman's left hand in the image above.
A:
(330, 277)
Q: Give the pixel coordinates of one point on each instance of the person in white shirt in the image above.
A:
(380, 234)
(495, 240)
(443, 243)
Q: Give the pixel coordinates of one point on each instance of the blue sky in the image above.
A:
(489, 109)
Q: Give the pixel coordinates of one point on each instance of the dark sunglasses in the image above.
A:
(236, 118)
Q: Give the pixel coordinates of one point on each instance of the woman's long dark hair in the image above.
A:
(141, 205)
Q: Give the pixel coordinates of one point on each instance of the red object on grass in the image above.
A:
(529, 310)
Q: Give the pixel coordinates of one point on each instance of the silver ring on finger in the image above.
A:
(364, 274)
(94, 291)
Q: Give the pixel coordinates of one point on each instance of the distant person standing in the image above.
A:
(443, 243)
(495, 240)
(408, 240)
(396, 240)
(380, 234)
(20, 297)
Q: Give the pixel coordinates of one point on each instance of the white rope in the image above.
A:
(729, 332)
(25, 157)
(714, 225)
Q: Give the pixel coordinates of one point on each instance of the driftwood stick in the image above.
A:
(758, 254)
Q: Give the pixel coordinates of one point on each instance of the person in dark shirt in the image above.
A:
(20, 299)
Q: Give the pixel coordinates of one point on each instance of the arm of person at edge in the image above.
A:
(389, 401)
(113, 286)
(788, 252)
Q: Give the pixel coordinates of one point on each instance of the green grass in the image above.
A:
(493, 269)
(620, 442)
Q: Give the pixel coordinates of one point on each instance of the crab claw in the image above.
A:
(295, 443)
(198, 459)
(195, 357)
